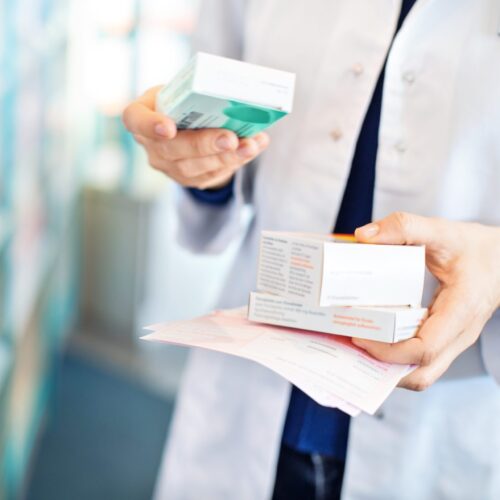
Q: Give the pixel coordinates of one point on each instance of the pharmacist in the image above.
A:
(397, 121)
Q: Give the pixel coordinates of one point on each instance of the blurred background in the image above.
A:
(87, 249)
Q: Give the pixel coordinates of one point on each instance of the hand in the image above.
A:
(202, 159)
(465, 259)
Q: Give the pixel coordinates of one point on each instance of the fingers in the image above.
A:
(201, 143)
(402, 228)
(208, 142)
(455, 252)
(195, 167)
(194, 158)
(141, 119)
(212, 179)
(444, 324)
(450, 329)
(262, 140)
(204, 172)
(247, 150)
(423, 377)
(189, 144)
(422, 350)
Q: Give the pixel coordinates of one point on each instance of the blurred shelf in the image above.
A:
(38, 45)
(37, 214)
(28, 65)
(5, 368)
(44, 45)
(6, 229)
(34, 278)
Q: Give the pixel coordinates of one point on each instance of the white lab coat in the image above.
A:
(439, 154)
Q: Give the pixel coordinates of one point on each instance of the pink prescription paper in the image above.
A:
(330, 369)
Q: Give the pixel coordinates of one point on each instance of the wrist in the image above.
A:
(222, 184)
(211, 196)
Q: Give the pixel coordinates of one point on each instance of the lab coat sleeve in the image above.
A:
(206, 228)
(490, 347)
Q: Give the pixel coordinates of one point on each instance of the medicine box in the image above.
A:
(384, 324)
(322, 270)
(217, 92)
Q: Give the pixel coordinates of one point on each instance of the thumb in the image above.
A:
(141, 118)
(402, 228)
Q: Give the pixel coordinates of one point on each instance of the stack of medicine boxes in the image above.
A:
(336, 286)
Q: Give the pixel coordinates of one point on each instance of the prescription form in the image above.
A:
(328, 368)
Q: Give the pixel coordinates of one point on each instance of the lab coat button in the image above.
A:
(357, 69)
(336, 134)
(409, 77)
(379, 415)
(400, 147)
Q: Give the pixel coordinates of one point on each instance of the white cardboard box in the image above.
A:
(322, 270)
(217, 92)
(385, 324)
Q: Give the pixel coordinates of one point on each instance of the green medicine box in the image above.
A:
(217, 92)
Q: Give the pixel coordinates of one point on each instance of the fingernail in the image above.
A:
(245, 151)
(223, 143)
(369, 231)
(357, 342)
(261, 140)
(160, 129)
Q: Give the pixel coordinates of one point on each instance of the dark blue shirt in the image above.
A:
(310, 427)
